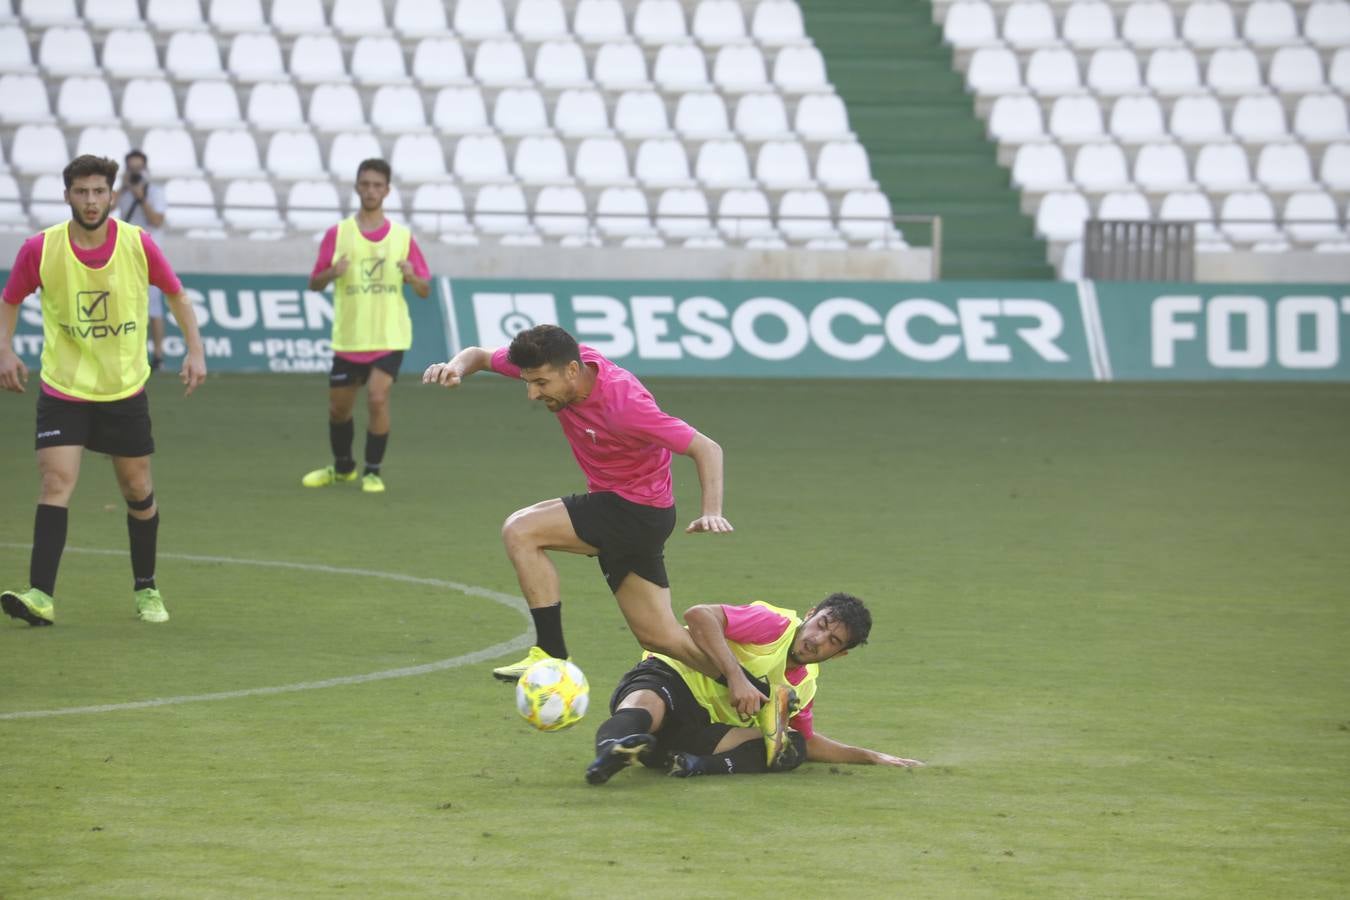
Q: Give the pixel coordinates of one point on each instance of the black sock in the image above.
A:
(49, 539)
(548, 629)
(375, 444)
(144, 539)
(742, 760)
(622, 724)
(340, 438)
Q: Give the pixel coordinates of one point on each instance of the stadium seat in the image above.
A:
(130, 53)
(1296, 70)
(317, 57)
(798, 69)
(621, 65)
(420, 18)
(1061, 215)
(1270, 23)
(147, 102)
(1075, 118)
(1321, 118)
(540, 159)
(599, 21)
(1310, 216)
(36, 149)
(701, 114)
(48, 13)
(661, 162)
(682, 212)
(718, 22)
(1125, 205)
(560, 210)
(993, 70)
(500, 62)
(438, 61)
(821, 117)
(1052, 71)
(659, 21)
(1284, 168)
(251, 205)
(255, 57)
(192, 204)
(67, 51)
(171, 152)
(500, 209)
(621, 211)
(231, 16)
(23, 98)
(969, 23)
(704, 242)
(1040, 167)
(1173, 70)
(579, 112)
(866, 216)
(377, 60)
(397, 108)
(601, 161)
(1233, 70)
(777, 23)
(1114, 70)
(439, 208)
(1070, 266)
(294, 155)
(1162, 167)
(1258, 118)
(1100, 168)
(1223, 167)
(99, 140)
(740, 67)
(15, 55)
(173, 15)
(1028, 24)
(212, 104)
(1148, 23)
(1334, 169)
(358, 17)
(336, 107)
(274, 105)
(842, 165)
(1248, 216)
(1197, 119)
(348, 149)
(540, 20)
(678, 67)
(46, 200)
(723, 164)
(1089, 24)
(782, 165)
(1327, 23)
(519, 111)
(193, 55)
(804, 215)
(298, 16)
(231, 153)
(1137, 119)
(108, 14)
(761, 116)
(480, 18)
(419, 157)
(460, 110)
(1208, 23)
(640, 114)
(480, 158)
(1015, 118)
(744, 213)
(560, 63)
(312, 206)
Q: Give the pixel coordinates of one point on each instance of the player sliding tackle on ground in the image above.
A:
(666, 715)
(623, 443)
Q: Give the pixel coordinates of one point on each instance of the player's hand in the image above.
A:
(443, 374)
(885, 759)
(406, 268)
(709, 525)
(13, 373)
(340, 265)
(193, 372)
(745, 697)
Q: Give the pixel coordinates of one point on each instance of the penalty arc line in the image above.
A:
(519, 642)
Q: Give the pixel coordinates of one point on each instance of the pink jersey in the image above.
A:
(756, 625)
(326, 248)
(619, 436)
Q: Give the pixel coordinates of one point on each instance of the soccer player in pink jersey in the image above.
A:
(668, 716)
(95, 273)
(624, 445)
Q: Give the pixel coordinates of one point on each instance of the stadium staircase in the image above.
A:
(927, 147)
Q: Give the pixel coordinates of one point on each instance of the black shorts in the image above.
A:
(631, 537)
(117, 427)
(346, 373)
(687, 727)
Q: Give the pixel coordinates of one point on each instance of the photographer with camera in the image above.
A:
(141, 203)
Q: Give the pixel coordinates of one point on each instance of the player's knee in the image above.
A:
(516, 531)
(377, 399)
(57, 484)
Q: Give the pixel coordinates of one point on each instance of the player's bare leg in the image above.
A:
(647, 607)
(378, 387)
(138, 489)
(60, 471)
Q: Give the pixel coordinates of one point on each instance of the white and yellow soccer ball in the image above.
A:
(552, 694)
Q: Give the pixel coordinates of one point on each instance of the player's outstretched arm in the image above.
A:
(707, 626)
(13, 373)
(193, 372)
(819, 748)
(707, 456)
(466, 362)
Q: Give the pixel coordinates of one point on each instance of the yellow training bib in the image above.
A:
(369, 312)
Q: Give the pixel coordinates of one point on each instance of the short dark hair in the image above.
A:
(852, 612)
(543, 345)
(84, 165)
(375, 165)
(136, 153)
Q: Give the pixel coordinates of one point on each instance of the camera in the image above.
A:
(135, 178)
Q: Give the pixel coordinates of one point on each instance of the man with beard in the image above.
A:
(370, 258)
(759, 717)
(94, 273)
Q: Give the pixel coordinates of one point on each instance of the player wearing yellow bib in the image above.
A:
(368, 259)
(666, 715)
(94, 274)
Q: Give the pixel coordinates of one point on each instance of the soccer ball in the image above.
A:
(552, 695)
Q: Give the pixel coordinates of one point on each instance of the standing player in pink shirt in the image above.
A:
(94, 273)
(623, 443)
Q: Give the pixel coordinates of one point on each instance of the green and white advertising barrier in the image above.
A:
(1032, 330)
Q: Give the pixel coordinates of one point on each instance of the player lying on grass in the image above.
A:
(757, 717)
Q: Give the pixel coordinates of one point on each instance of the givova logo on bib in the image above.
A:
(500, 317)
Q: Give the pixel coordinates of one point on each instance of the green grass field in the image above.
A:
(1112, 619)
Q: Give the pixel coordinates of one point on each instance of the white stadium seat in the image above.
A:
(1310, 216)
(1334, 169)
(173, 15)
(312, 205)
(439, 208)
(1296, 70)
(1148, 23)
(560, 64)
(275, 105)
(682, 212)
(1270, 23)
(1061, 215)
(1238, 212)
(842, 165)
(1053, 70)
(212, 104)
(821, 117)
(130, 53)
(298, 16)
(599, 21)
(1173, 70)
(67, 51)
(520, 111)
(15, 54)
(420, 18)
(701, 114)
(171, 151)
(761, 116)
(777, 23)
(1015, 118)
(480, 18)
(1208, 23)
(1162, 167)
(1258, 118)
(540, 20)
(1284, 167)
(1040, 167)
(480, 158)
(23, 98)
(500, 62)
(1100, 168)
(231, 153)
(108, 14)
(317, 57)
(255, 57)
(1327, 23)
(1187, 206)
(744, 213)
(1223, 167)
(640, 114)
(620, 65)
(560, 210)
(192, 204)
(580, 112)
(969, 23)
(378, 59)
(1089, 24)
(994, 70)
(782, 165)
(1233, 70)
(460, 110)
(1114, 70)
(1321, 117)
(336, 107)
(678, 67)
(740, 67)
(1124, 206)
(348, 149)
(397, 108)
(1198, 118)
(866, 215)
(147, 102)
(192, 55)
(109, 141)
(718, 22)
(804, 215)
(47, 201)
(661, 162)
(439, 60)
(500, 209)
(416, 157)
(1029, 23)
(294, 155)
(1137, 119)
(659, 21)
(358, 17)
(797, 69)
(229, 16)
(251, 205)
(1076, 118)
(622, 211)
(723, 163)
(540, 159)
